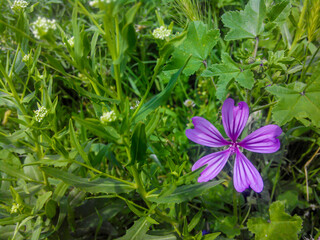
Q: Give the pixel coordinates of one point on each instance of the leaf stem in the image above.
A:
(255, 48)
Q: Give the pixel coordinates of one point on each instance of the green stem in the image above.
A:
(235, 203)
(117, 66)
(139, 185)
(263, 107)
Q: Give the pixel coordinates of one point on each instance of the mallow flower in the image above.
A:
(234, 119)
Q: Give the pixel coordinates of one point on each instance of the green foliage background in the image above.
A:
(74, 175)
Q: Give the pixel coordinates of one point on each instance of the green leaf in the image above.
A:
(12, 220)
(211, 236)
(281, 226)
(77, 145)
(159, 99)
(12, 171)
(100, 185)
(95, 126)
(247, 23)
(199, 42)
(138, 148)
(298, 100)
(137, 231)
(51, 209)
(184, 193)
(42, 199)
(164, 237)
(195, 220)
(228, 226)
(227, 71)
(36, 230)
(279, 12)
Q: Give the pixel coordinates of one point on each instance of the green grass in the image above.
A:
(109, 158)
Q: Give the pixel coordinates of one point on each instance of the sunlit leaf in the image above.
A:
(281, 226)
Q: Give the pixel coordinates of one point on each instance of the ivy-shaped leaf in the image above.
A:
(227, 71)
(298, 100)
(281, 226)
(199, 42)
(247, 23)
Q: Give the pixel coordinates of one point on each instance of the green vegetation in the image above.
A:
(96, 97)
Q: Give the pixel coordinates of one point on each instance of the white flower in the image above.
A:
(189, 103)
(40, 113)
(42, 26)
(26, 58)
(71, 42)
(95, 3)
(108, 117)
(15, 207)
(19, 5)
(161, 32)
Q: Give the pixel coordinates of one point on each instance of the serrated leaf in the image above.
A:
(298, 100)
(199, 42)
(281, 226)
(100, 185)
(185, 193)
(138, 148)
(137, 231)
(226, 71)
(247, 23)
(279, 12)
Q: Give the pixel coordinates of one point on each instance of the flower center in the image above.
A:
(233, 147)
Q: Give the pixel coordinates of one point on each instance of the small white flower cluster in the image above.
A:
(19, 5)
(95, 3)
(71, 42)
(42, 26)
(189, 103)
(161, 33)
(26, 58)
(108, 117)
(40, 113)
(15, 207)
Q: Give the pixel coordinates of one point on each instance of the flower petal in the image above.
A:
(205, 133)
(215, 161)
(263, 140)
(245, 174)
(234, 119)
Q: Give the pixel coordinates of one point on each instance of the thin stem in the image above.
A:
(104, 174)
(255, 49)
(263, 107)
(306, 171)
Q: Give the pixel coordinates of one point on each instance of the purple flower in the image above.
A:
(234, 119)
